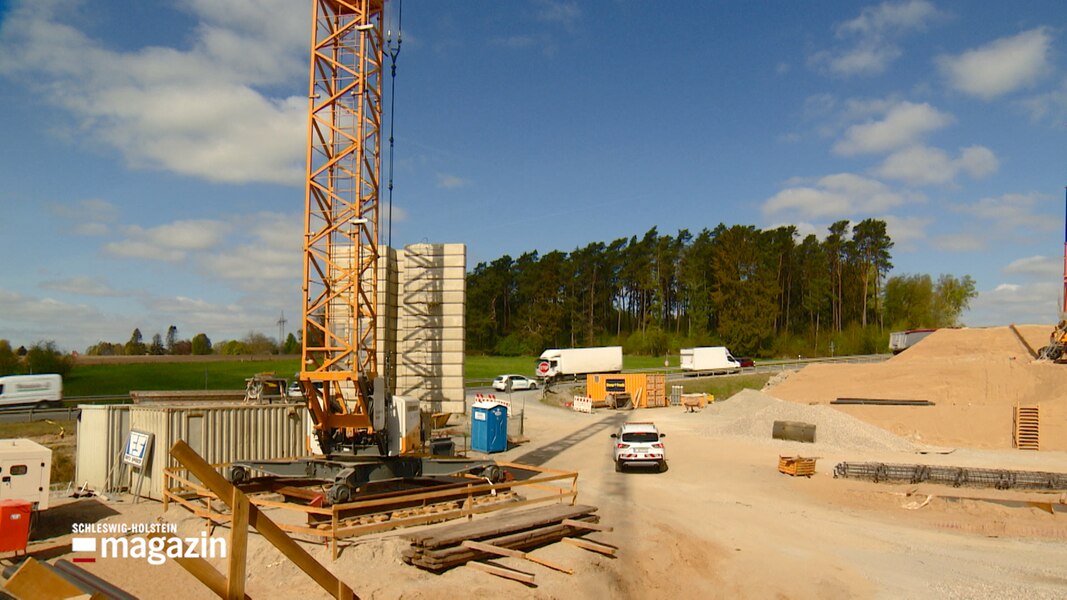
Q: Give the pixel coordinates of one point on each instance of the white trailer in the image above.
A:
(900, 341)
(711, 359)
(30, 389)
(557, 363)
(25, 472)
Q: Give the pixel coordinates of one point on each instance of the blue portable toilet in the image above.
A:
(489, 427)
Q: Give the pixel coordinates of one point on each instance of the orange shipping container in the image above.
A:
(651, 387)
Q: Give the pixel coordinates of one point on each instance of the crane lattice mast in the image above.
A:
(339, 350)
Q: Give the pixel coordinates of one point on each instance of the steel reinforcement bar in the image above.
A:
(1001, 479)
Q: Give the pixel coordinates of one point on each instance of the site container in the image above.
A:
(220, 434)
(647, 390)
(102, 430)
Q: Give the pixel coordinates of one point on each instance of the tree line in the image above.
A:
(253, 343)
(761, 292)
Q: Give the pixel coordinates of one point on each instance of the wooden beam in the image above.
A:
(235, 580)
(491, 549)
(591, 545)
(503, 572)
(267, 528)
(588, 525)
(34, 581)
(202, 570)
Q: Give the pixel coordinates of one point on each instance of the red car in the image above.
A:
(745, 362)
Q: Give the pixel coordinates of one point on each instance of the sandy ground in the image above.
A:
(722, 522)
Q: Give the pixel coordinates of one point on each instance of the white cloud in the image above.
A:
(904, 123)
(450, 182)
(1043, 268)
(1000, 67)
(26, 320)
(840, 195)
(1005, 303)
(875, 33)
(170, 242)
(1051, 106)
(564, 12)
(1010, 211)
(921, 165)
(961, 242)
(196, 112)
(889, 16)
(865, 59)
(266, 259)
(906, 232)
(84, 286)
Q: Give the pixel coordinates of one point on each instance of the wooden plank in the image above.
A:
(455, 555)
(238, 550)
(491, 549)
(605, 549)
(503, 572)
(267, 528)
(34, 581)
(587, 525)
(202, 570)
(500, 524)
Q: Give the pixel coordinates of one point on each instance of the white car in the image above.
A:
(639, 444)
(294, 391)
(518, 382)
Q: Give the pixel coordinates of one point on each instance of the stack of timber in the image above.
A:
(442, 548)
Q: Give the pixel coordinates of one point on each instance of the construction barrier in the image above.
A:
(582, 404)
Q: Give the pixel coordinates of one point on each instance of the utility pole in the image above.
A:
(281, 330)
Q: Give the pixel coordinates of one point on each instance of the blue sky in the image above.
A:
(152, 153)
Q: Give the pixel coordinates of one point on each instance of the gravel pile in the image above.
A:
(752, 414)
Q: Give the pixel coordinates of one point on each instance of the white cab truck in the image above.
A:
(709, 359)
(900, 341)
(558, 363)
(30, 390)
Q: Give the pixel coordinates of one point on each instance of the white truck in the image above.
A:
(709, 359)
(557, 363)
(900, 341)
(26, 390)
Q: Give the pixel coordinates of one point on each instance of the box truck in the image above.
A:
(900, 341)
(558, 363)
(39, 390)
(710, 359)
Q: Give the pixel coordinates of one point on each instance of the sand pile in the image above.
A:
(752, 414)
(974, 376)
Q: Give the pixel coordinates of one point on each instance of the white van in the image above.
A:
(39, 390)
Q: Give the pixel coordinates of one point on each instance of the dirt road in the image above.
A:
(720, 523)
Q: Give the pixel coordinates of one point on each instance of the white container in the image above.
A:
(219, 434)
(25, 472)
(102, 430)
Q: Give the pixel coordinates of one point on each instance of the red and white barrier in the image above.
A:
(582, 404)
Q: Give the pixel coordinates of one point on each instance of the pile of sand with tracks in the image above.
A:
(975, 377)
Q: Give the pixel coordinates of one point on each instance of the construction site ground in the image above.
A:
(722, 522)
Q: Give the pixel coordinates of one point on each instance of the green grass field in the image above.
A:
(120, 379)
(724, 387)
(101, 379)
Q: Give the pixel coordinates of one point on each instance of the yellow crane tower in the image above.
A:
(339, 353)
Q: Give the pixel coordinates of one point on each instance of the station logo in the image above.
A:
(152, 542)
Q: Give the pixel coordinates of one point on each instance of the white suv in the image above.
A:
(639, 444)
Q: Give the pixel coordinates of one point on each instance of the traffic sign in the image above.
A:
(542, 368)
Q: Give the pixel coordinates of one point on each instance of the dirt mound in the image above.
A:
(752, 414)
(973, 376)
